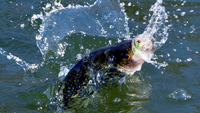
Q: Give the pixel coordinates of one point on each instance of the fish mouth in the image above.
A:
(143, 46)
(133, 65)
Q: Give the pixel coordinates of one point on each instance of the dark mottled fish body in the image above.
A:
(111, 63)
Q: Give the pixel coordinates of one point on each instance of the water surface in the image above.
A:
(29, 83)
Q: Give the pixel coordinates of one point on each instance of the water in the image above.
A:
(179, 94)
(29, 71)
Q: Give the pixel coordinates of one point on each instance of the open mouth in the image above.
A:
(142, 46)
(134, 64)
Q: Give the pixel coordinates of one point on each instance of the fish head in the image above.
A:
(143, 46)
(141, 51)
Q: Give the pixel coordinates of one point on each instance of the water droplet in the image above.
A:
(178, 60)
(119, 40)
(191, 11)
(137, 13)
(81, 47)
(145, 18)
(111, 26)
(188, 49)
(179, 94)
(182, 13)
(78, 56)
(129, 4)
(116, 100)
(122, 4)
(178, 9)
(175, 16)
(174, 50)
(189, 59)
(110, 42)
(183, 3)
(63, 71)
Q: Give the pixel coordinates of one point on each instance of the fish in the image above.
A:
(106, 66)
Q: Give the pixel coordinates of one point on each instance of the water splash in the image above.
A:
(26, 66)
(156, 30)
(156, 26)
(105, 18)
(179, 94)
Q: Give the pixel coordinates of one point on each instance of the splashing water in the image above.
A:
(26, 66)
(179, 94)
(104, 18)
(156, 30)
(156, 26)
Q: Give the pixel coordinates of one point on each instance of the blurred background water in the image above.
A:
(29, 71)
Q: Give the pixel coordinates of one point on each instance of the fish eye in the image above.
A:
(126, 56)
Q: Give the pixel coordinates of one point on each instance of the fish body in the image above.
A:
(107, 64)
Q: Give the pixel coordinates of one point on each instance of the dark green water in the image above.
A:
(145, 91)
